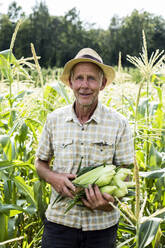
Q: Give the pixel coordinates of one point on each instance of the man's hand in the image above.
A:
(97, 200)
(61, 182)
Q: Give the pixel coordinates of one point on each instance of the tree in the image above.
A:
(15, 12)
(58, 38)
(41, 32)
(6, 31)
(127, 35)
(72, 35)
(158, 38)
(24, 38)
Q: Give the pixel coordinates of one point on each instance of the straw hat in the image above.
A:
(87, 55)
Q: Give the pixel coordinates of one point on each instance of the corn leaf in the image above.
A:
(4, 227)
(16, 163)
(6, 58)
(25, 189)
(8, 55)
(6, 208)
(59, 87)
(147, 231)
(153, 174)
(4, 139)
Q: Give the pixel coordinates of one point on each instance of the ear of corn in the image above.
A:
(109, 189)
(122, 173)
(100, 176)
(108, 178)
(121, 190)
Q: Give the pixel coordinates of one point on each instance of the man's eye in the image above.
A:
(79, 78)
(91, 78)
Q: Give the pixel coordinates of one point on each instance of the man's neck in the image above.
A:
(84, 113)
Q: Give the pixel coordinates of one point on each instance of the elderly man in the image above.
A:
(90, 132)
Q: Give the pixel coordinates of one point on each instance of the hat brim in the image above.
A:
(109, 72)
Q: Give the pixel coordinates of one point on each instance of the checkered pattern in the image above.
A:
(106, 137)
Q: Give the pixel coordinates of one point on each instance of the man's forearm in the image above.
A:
(43, 170)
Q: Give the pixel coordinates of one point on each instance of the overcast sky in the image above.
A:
(92, 11)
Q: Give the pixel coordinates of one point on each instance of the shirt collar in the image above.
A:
(71, 114)
(96, 115)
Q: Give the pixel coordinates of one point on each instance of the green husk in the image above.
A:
(100, 176)
(109, 189)
(109, 179)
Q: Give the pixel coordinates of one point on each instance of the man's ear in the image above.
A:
(70, 82)
(104, 81)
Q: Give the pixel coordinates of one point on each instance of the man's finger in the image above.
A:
(108, 197)
(98, 194)
(71, 176)
(67, 192)
(69, 184)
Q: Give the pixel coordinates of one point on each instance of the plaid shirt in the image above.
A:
(105, 137)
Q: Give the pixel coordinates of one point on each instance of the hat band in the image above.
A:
(91, 57)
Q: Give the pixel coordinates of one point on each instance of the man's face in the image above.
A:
(86, 82)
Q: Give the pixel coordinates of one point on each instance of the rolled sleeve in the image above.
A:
(124, 153)
(45, 151)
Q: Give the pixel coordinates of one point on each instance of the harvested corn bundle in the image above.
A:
(100, 176)
(109, 179)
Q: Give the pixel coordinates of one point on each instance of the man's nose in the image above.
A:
(84, 83)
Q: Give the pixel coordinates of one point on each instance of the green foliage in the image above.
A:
(24, 197)
(147, 231)
(58, 38)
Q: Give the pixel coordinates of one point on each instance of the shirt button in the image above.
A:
(82, 128)
(82, 143)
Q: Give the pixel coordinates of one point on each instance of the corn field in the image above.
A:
(27, 94)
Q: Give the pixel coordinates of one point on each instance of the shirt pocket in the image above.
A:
(63, 153)
(101, 151)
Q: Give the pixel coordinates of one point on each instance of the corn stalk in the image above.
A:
(147, 67)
